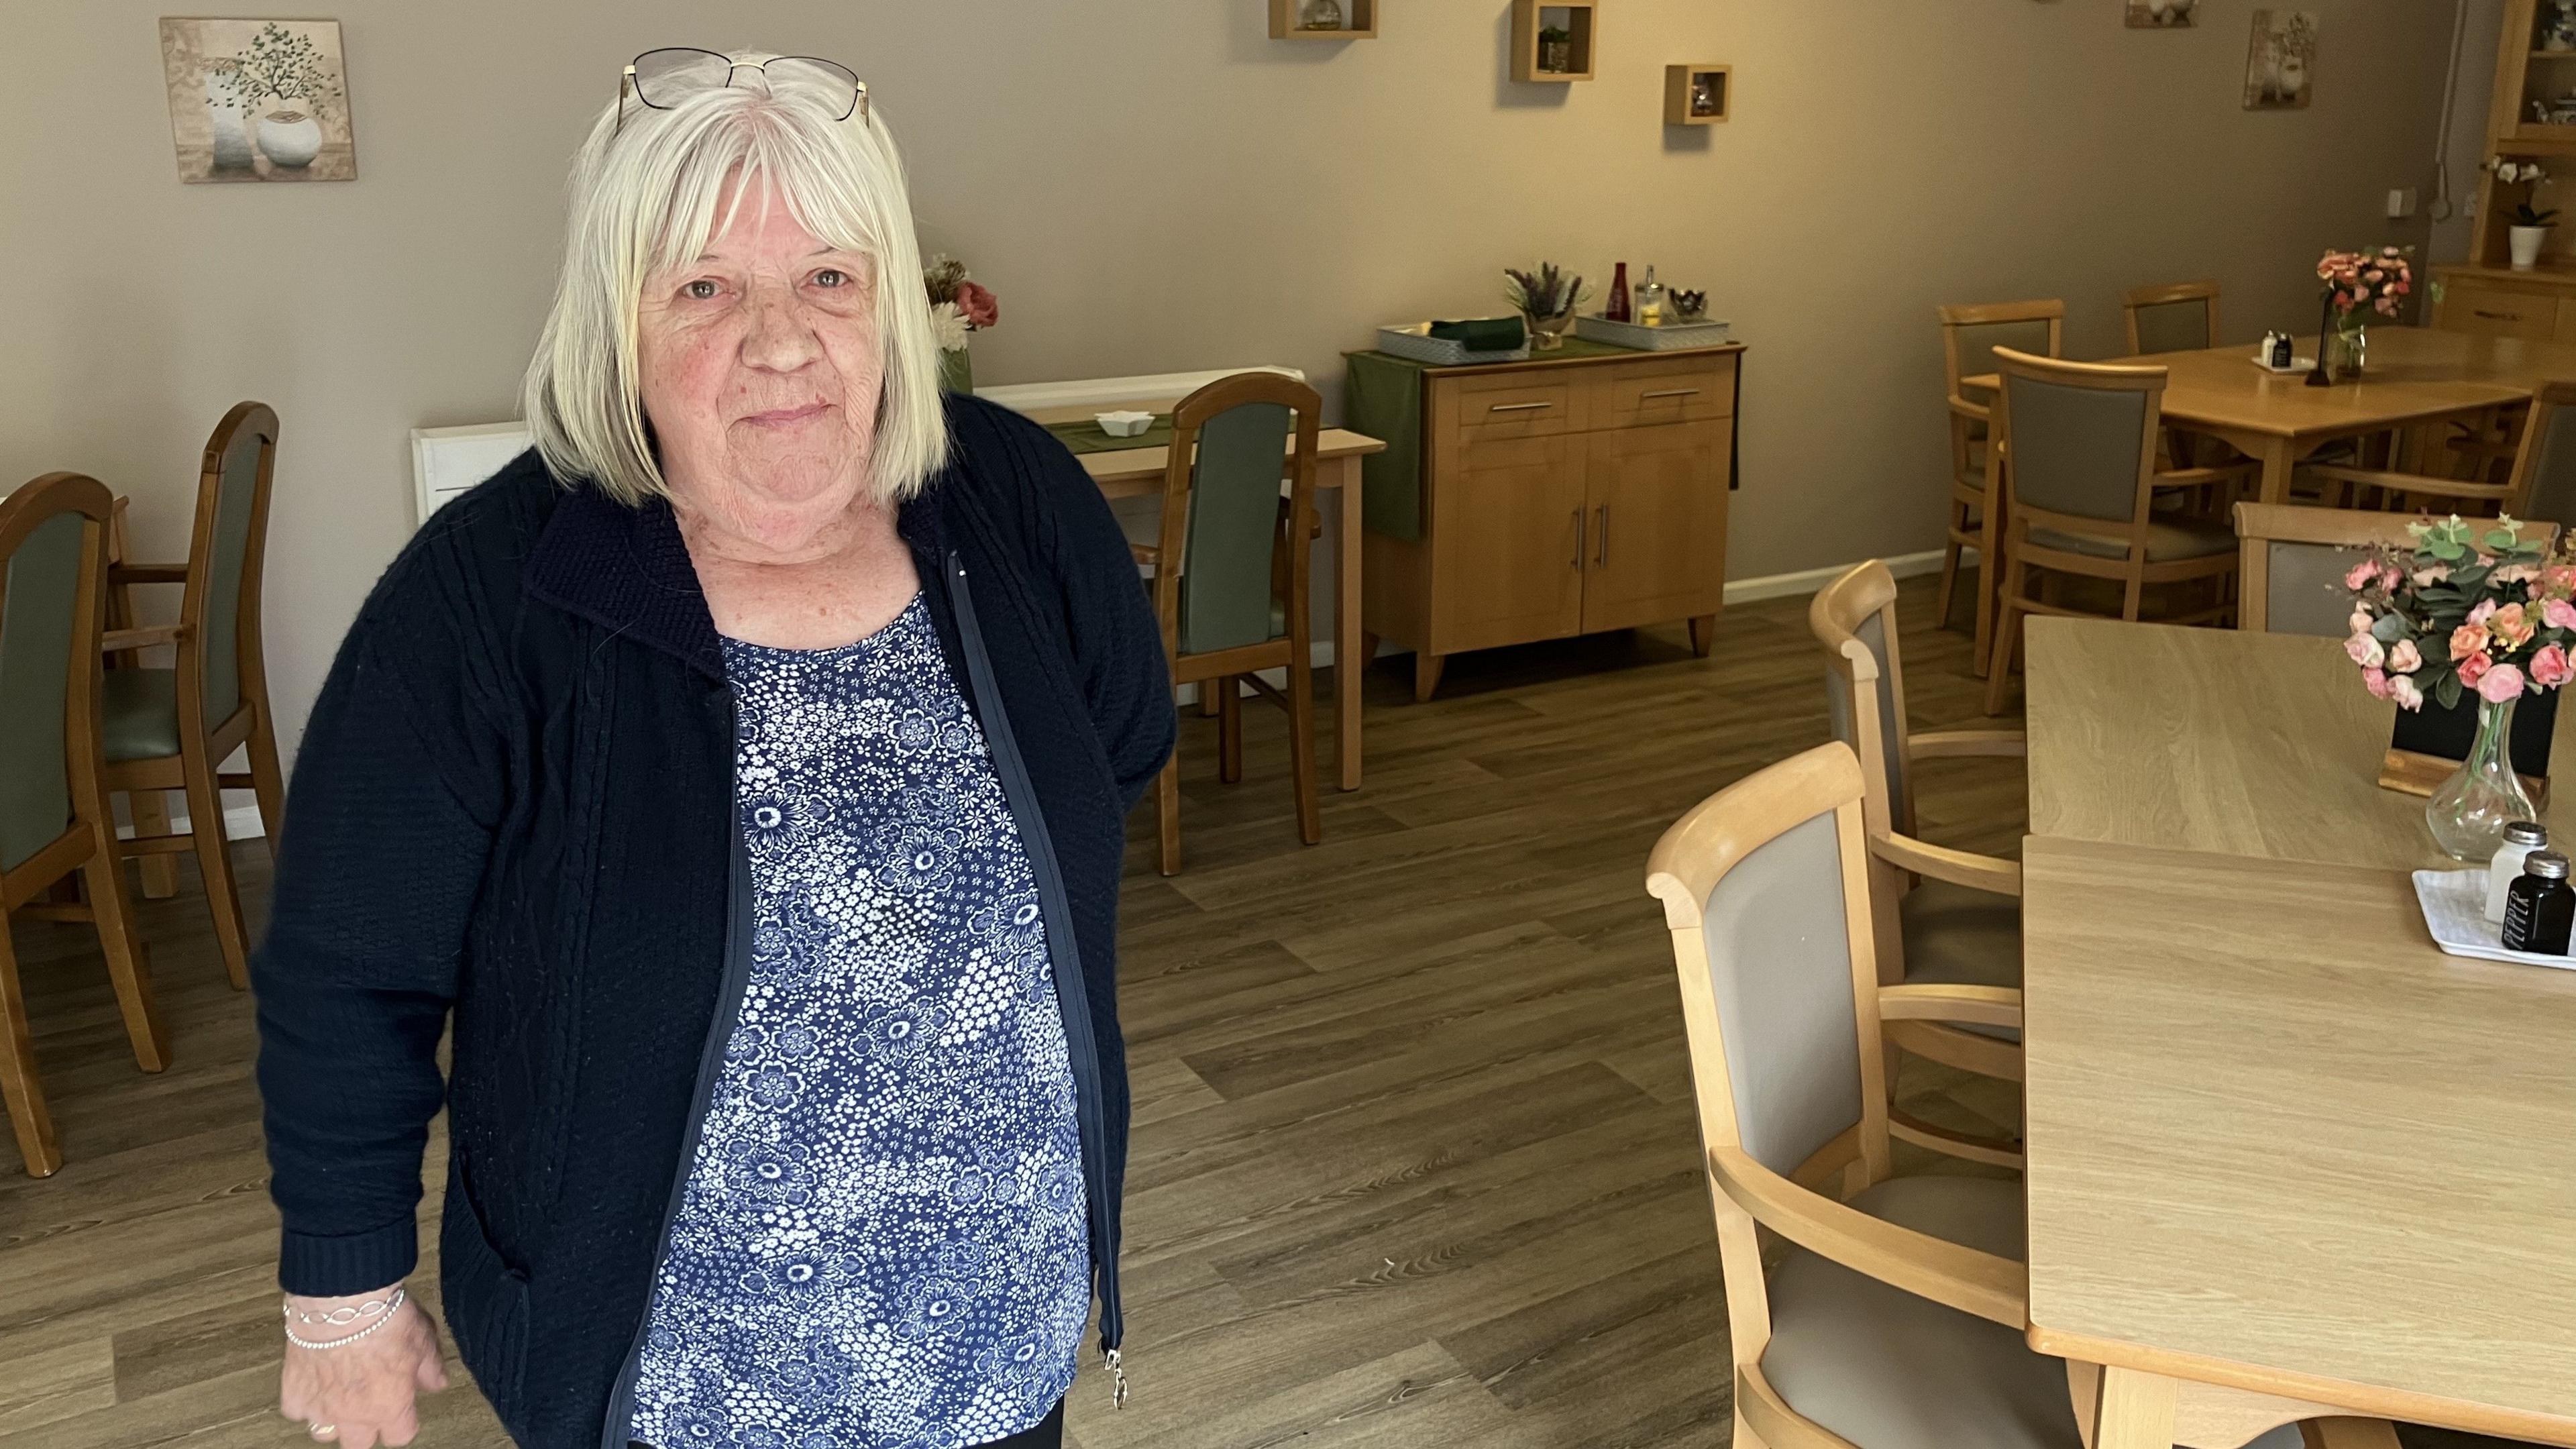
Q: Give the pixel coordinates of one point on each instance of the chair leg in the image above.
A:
(1990, 568)
(1167, 812)
(24, 1096)
(1301, 742)
(129, 964)
(160, 874)
(1949, 572)
(266, 779)
(2007, 635)
(214, 862)
(1229, 729)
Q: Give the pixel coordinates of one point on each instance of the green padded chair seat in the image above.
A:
(1884, 1368)
(142, 709)
(1955, 936)
(2168, 539)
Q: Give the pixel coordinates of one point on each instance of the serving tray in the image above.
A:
(1670, 337)
(2455, 911)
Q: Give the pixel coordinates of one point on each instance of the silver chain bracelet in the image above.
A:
(384, 1316)
(344, 1316)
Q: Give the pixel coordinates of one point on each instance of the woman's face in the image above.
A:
(760, 370)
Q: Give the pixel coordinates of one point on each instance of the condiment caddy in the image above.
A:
(2519, 907)
(1654, 318)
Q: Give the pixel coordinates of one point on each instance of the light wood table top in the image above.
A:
(1130, 472)
(2416, 375)
(2278, 1141)
(2261, 745)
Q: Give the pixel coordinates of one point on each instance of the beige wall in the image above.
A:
(1152, 185)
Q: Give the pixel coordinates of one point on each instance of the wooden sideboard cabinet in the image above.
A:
(1563, 495)
(2534, 306)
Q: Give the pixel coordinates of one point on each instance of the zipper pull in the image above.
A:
(1117, 1379)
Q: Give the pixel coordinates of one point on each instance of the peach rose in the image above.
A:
(2405, 658)
(2510, 625)
(2468, 640)
(2500, 684)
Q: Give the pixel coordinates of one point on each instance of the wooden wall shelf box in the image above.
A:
(1561, 496)
(1681, 84)
(1359, 21)
(1580, 17)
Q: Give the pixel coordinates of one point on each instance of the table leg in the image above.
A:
(2278, 459)
(1349, 661)
(2136, 1411)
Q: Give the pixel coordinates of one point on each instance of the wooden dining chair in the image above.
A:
(1894, 1319)
(2171, 317)
(1230, 573)
(2541, 484)
(172, 729)
(2080, 498)
(1944, 916)
(55, 821)
(1970, 333)
(2292, 560)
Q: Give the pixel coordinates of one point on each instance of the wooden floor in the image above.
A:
(1413, 1165)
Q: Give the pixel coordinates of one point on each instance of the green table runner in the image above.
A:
(1086, 437)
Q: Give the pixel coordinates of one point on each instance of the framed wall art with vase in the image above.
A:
(2161, 14)
(258, 100)
(2281, 61)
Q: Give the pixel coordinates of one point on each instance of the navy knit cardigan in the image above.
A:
(513, 811)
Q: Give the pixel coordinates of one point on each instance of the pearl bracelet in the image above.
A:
(384, 1315)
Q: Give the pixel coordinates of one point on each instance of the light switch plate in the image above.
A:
(2401, 202)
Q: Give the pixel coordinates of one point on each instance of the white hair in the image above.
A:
(648, 194)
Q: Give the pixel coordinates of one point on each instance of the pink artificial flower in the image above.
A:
(2484, 611)
(982, 309)
(2402, 688)
(2360, 621)
(2468, 641)
(2376, 681)
(2361, 575)
(2387, 306)
(2515, 574)
(2474, 668)
(2365, 651)
(2500, 684)
(2510, 625)
(2426, 578)
(2558, 613)
(2551, 668)
(2405, 658)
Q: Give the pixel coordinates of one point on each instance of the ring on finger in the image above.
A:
(323, 1431)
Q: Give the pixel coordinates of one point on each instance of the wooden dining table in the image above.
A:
(2285, 1158)
(1134, 472)
(2415, 375)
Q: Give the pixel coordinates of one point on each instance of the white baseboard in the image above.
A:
(1807, 581)
(241, 822)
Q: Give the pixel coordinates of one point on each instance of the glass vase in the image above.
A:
(2469, 813)
(2347, 349)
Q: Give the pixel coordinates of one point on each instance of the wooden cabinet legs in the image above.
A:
(1703, 634)
(1426, 675)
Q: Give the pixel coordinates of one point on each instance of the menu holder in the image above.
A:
(2427, 745)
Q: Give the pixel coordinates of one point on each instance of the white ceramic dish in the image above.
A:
(2297, 364)
(2455, 911)
(1124, 424)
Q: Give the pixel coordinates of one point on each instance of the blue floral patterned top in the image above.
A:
(881, 1242)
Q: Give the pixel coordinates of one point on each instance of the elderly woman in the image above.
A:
(740, 777)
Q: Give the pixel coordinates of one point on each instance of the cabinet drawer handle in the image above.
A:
(1604, 559)
(2497, 316)
(1578, 540)
(1518, 407)
(1670, 392)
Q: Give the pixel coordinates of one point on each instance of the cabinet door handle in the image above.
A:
(1604, 558)
(1669, 392)
(2497, 316)
(1578, 540)
(1518, 407)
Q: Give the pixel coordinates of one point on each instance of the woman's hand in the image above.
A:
(361, 1395)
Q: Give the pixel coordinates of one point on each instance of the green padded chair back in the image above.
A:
(2076, 450)
(1977, 343)
(1780, 969)
(1226, 588)
(39, 607)
(2174, 326)
(236, 479)
(2553, 475)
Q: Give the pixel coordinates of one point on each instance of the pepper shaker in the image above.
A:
(2541, 907)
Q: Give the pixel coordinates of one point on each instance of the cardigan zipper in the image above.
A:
(615, 1430)
(1073, 1002)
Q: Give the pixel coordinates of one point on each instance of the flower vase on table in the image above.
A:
(2466, 609)
(2360, 288)
(2347, 349)
(958, 310)
(1546, 300)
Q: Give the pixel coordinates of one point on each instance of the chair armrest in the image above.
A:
(118, 639)
(1962, 744)
(147, 573)
(1973, 412)
(1977, 1005)
(2204, 477)
(2408, 482)
(1145, 553)
(1947, 1273)
(1958, 867)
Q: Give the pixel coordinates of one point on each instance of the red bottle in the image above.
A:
(1616, 309)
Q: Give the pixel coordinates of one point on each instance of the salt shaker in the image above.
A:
(2541, 908)
(2521, 838)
